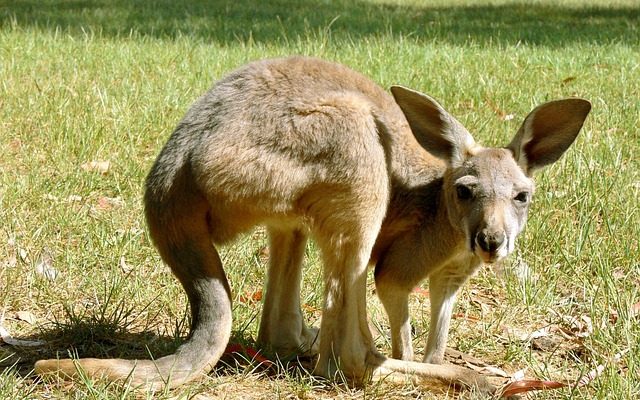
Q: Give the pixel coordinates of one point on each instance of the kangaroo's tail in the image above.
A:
(177, 216)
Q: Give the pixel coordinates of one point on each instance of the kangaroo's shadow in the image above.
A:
(113, 340)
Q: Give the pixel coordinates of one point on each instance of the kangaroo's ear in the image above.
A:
(435, 129)
(547, 132)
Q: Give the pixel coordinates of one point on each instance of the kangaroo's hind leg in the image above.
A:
(345, 339)
(346, 239)
(282, 326)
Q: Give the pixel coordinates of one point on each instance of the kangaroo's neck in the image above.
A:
(415, 207)
(417, 204)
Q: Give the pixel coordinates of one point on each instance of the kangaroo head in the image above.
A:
(488, 190)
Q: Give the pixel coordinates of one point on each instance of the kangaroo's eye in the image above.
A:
(464, 192)
(522, 197)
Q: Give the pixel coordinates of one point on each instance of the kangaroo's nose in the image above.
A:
(490, 242)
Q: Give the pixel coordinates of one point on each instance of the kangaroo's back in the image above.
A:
(271, 135)
(268, 101)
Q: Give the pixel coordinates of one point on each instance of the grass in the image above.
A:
(84, 81)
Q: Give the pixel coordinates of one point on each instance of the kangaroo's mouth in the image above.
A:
(490, 255)
(487, 257)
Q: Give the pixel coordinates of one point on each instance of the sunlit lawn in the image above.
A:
(90, 90)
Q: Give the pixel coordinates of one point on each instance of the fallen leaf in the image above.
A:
(234, 348)
(482, 298)
(15, 144)
(470, 318)
(547, 343)
(263, 254)
(577, 326)
(619, 273)
(44, 266)
(420, 291)
(464, 359)
(50, 197)
(251, 297)
(635, 309)
(124, 266)
(483, 301)
(591, 375)
(107, 203)
(310, 308)
(70, 199)
(8, 339)
(74, 198)
(524, 386)
(523, 336)
(101, 167)
(518, 375)
(460, 358)
(633, 312)
(597, 371)
(568, 79)
(26, 316)
(11, 262)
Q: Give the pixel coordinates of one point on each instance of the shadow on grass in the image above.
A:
(112, 340)
(90, 339)
(278, 21)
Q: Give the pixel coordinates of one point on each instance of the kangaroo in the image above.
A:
(312, 149)
(466, 213)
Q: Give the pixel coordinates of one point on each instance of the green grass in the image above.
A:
(93, 80)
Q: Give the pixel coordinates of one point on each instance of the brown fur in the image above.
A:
(312, 149)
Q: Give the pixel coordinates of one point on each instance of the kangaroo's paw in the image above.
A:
(398, 370)
(304, 343)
